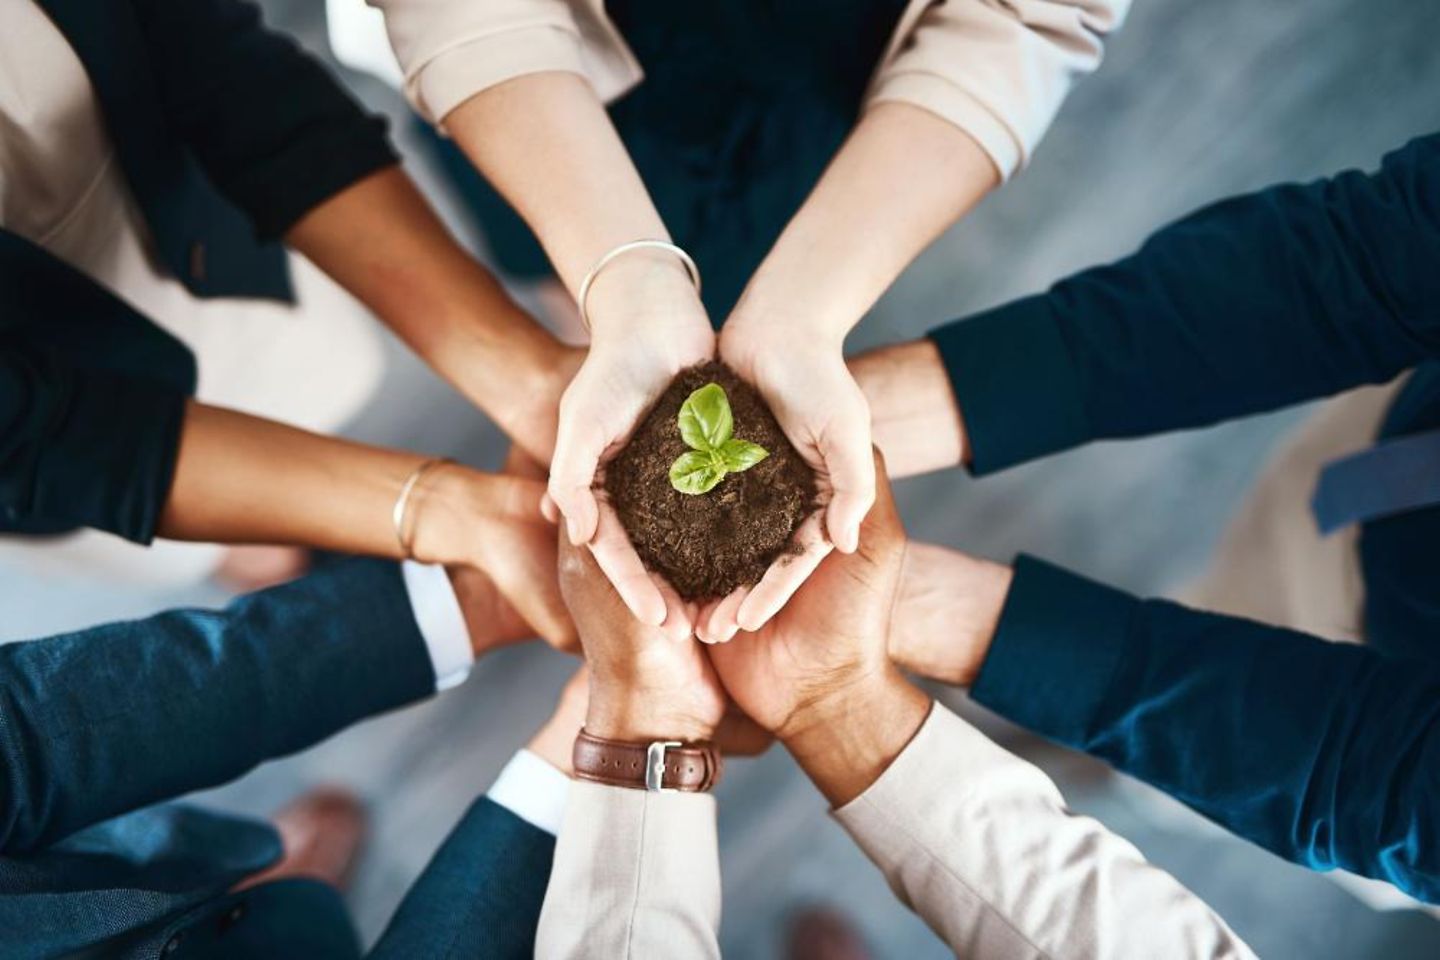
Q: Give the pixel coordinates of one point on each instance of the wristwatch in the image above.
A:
(662, 766)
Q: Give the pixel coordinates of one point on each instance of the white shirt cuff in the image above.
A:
(532, 790)
(442, 624)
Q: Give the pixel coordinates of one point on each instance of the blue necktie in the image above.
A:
(1388, 478)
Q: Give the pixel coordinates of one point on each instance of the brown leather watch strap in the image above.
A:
(688, 767)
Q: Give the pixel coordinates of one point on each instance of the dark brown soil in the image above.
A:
(708, 544)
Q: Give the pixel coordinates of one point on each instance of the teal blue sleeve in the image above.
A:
(1327, 754)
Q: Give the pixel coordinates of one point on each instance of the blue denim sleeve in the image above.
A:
(1326, 754)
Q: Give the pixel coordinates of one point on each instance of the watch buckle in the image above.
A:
(655, 766)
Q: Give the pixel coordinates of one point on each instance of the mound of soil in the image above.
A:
(708, 544)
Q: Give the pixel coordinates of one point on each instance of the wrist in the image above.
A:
(642, 289)
(445, 507)
(759, 326)
(915, 418)
(844, 742)
(636, 714)
(949, 609)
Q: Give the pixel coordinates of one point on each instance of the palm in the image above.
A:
(614, 387)
(825, 417)
(621, 650)
(518, 555)
(832, 632)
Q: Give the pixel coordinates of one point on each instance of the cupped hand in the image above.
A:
(825, 416)
(643, 684)
(645, 330)
(830, 639)
(492, 522)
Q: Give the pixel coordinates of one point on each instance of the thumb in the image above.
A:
(850, 462)
(572, 472)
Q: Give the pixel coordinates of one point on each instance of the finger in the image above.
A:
(785, 576)
(882, 524)
(679, 622)
(534, 591)
(548, 510)
(850, 462)
(616, 556)
(721, 624)
(702, 620)
(572, 473)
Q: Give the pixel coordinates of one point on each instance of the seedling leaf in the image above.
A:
(706, 425)
(696, 472)
(738, 455)
(705, 418)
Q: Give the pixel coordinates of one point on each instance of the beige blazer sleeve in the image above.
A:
(997, 69)
(450, 50)
(979, 843)
(636, 875)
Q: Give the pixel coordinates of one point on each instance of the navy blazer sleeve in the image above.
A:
(1288, 294)
(481, 894)
(1327, 754)
(83, 448)
(103, 721)
(270, 125)
(90, 409)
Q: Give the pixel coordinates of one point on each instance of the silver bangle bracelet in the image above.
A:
(402, 502)
(623, 249)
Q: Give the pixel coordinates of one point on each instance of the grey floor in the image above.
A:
(1196, 100)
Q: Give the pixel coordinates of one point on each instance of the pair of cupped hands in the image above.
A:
(638, 345)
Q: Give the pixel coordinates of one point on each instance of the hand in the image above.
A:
(647, 326)
(490, 620)
(913, 412)
(825, 416)
(643, 685)
(829, 639)
(947, 613)
(492, 522)
(818, 675)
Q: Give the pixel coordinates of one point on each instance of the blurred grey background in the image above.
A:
(1195, 101)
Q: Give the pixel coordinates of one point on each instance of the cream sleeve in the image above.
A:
(997, 69)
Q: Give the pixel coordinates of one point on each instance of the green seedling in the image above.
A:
(706, 425)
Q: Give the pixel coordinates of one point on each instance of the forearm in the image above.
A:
(547, 145)
(858, 230)
(381, 241)
(243, 479)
